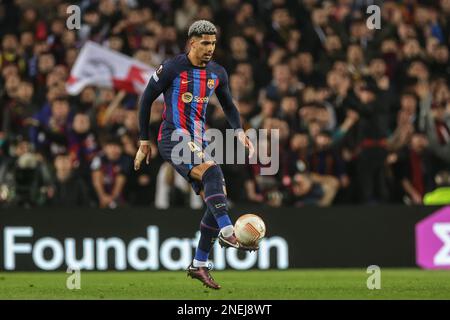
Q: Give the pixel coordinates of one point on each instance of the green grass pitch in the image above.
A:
(289, 284)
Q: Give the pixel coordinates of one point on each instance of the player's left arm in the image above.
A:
(231, 112)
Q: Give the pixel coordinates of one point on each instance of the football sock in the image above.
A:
(215, 199)
(198, 264)
(208, 234)
(227, 231)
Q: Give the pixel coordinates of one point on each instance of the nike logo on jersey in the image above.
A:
(185, 81)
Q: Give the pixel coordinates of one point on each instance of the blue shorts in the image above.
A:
(182, 152)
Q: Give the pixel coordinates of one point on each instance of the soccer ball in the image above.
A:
(249, 229)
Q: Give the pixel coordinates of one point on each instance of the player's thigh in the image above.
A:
(200, 160)
(166, 150)
(190, 166)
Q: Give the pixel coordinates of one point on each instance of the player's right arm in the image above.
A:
(158, 82)
(231, 112)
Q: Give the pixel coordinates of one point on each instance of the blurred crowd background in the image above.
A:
(364, 115)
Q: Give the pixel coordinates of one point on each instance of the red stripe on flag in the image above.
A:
(72, 80)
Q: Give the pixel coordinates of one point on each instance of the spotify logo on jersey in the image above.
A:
(187, 97)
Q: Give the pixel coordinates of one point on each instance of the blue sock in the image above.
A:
(224, 221)
(201, 255)
(215, 198)
(209, 231)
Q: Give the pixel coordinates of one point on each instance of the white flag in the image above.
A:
(103, 67)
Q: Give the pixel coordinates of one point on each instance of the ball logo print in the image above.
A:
(250, 229)
(255, 234)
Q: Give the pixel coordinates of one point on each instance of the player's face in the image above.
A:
(204, 47)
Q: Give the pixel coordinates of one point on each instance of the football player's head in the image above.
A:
(202, 39)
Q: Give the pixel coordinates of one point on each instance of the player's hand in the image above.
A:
(246, 142)
(144, 152)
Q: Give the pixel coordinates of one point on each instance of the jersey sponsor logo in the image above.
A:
(187, 97)
(185, 81)
(201, 99)
(211, 83)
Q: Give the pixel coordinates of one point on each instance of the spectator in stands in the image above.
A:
(109, 171)
(438, 132)
(414, 169)
(82, 145)
(51, 128)
(371, 105)
(312, 189)
(326, 160)
(68, 190)
(268, 110)
(25, 176)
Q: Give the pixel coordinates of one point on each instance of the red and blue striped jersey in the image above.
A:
(187, 90)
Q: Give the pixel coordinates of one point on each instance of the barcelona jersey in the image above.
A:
(187, 90)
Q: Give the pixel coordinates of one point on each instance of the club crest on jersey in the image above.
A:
(210, 83)
(186, 97)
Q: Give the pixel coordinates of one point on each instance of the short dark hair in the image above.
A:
(200, 27)
(112, 140)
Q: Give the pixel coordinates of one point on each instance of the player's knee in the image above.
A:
(213, 181)
(212, 173)
(198, 171)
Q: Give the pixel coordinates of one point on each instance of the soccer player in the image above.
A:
(187, 82)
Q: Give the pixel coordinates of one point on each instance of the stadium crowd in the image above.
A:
(363, 115)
